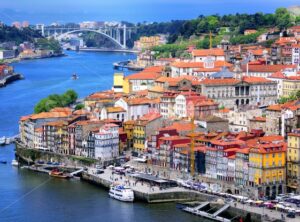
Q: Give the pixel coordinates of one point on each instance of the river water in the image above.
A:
(27, 196)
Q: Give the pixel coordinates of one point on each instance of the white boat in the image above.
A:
(14, 163)
(2, 140)
(122, 193)
(7, 141)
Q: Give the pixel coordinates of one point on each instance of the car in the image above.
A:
(291, 214)
(98, 167)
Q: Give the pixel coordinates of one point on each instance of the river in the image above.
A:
(27, 196)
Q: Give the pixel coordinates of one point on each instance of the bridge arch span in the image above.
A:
(63, 35)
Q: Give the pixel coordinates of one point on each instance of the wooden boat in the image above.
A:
(59, 174)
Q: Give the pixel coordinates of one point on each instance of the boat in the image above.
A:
(7, 141)
(59, 174)
(2, 140)
(74, 76)
(14, 163)
(122, 193)
(3, 161)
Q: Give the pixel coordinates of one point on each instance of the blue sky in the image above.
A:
(47, 11)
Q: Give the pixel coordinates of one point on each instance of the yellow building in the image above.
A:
(147, 42)
(267, 162)
(118, 82)
(128, 129)
(293, 162)
(139, 136)
(290, 85)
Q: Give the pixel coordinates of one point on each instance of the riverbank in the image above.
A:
(10, 78)
(18, 59)
(108, 50)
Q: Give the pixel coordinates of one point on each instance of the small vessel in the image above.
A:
(14, 163)
(7, 141)
(74, 76)
(2, 140)
(3, 161)
(122, 193)
(59, 174)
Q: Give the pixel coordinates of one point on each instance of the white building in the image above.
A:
(7, 54)
(278, 77)
(296, 55)
(116, 113)
(107, 142)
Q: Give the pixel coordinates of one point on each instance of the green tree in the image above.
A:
(283, 18)
(79, 106)
(56, 100)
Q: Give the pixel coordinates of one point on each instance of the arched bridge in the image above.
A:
(118, 35)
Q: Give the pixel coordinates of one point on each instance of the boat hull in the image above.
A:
(124, 196)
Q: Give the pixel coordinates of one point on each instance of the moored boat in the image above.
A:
(3, 161)
(74, 76)
(59, 174)
(2, 140)
(14, 163)
(122, 193)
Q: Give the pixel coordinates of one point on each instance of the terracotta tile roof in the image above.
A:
(277, 75)
(56, 123)
(259, 119)
(115, 109)
(244, 150)
(266, 68)
(225, 110)
(229, 81)
(187, 64)
(156, 89)
(208, 52)
(150, 117)
(180, 126)
(143, 76)
(170, 138)
(45, 115)
(81, 112)
(254, 79)
(157, 69)
(294, 78)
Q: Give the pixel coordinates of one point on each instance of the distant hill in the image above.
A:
(295, 10)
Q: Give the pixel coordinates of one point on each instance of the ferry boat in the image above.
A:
(2, 141)
(59, 174)
(14, 163)
(122, 193)
(74, 76)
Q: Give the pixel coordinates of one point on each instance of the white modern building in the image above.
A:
(107, 142)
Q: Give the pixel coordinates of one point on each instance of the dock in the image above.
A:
(143, 191)
(127, 65)
(10, 78)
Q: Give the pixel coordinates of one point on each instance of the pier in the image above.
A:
(10, 78)
(143, 191)
(127, 65)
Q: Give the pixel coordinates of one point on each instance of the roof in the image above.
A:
(259, 119)
(181, 126)
(224, 73)
(225, 110)
(230, 81)
(277, 75)
(150, 117)
(208, 52)
(143, 76)
(266, 68)
(254, 79)
(174, 138)
(115, 109)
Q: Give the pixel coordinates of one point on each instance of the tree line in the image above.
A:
(56, 100)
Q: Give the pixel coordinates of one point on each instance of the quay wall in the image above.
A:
(160, 197)
(31, 155)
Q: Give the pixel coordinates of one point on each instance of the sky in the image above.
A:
(63, 11)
